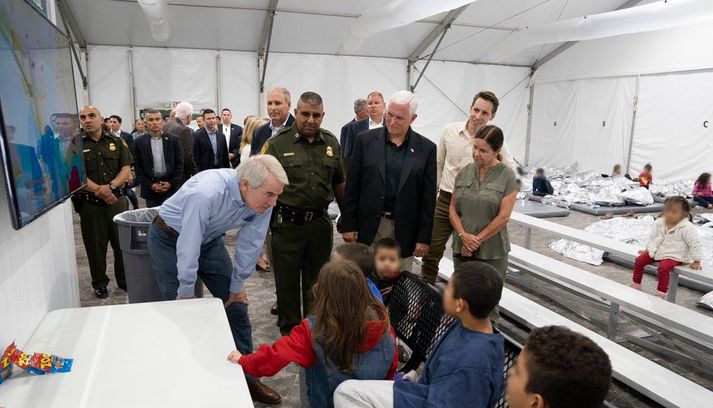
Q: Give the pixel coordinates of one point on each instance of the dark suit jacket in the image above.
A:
(203, 151)
(415, 198)
(144, 165)
(343, 135)
(236, 133)
(263, 133)
(354, 129)
(185, 136)
(128, 139)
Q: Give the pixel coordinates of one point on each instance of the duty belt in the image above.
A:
(91, 198)
(296, 215)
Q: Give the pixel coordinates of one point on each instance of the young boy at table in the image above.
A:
(465, 368)
(347, 336)
(387, 265)
(559, 368)
(361, 255)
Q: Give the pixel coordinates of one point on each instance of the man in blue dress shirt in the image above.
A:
(185, 241)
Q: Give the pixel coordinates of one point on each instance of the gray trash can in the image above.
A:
(133, 231)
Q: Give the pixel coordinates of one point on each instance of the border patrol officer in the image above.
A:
(302, 233)
(107, 162)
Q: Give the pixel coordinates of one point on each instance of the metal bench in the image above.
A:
(611, 246)
(641, 374)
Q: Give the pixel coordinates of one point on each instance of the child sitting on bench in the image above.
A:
(559, 368)
(465, 369)
(540, 185)
(347, 336)
(673, 240)
(387, 264)
(702, 194)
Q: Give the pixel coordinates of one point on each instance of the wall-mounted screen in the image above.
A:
(40, 143)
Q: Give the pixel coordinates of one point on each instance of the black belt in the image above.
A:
(91, 198)
(161, 224)
(296, 215)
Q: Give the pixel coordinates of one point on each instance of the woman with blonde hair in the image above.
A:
(250, 126)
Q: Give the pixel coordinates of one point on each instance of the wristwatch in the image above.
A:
(112, 186)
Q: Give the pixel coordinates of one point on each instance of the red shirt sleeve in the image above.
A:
(268, 360)
(395, 362)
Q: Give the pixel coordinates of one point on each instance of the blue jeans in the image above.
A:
(214, 269)
(703, 201)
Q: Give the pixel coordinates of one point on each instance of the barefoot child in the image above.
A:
(347, 336)
(673, 241)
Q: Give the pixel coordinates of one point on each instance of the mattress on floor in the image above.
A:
(662, 199)
(539, 210)
(657, 207)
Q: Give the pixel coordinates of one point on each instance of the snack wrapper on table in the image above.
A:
(37, 363)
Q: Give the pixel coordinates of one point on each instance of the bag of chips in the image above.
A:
(6, 365)
(37, 363)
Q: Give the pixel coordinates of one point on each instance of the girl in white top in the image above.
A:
(673, 241)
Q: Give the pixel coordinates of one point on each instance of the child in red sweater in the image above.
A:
(347, 336)
(646, 178)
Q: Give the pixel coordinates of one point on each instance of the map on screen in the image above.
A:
(41, 144)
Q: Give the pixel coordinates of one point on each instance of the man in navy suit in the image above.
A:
(233, 133)
(278, 109)
(158, 161)
(374, 119)
(360, 113)
(210, 151)
(391, 186)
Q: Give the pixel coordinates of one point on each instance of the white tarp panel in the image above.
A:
(109, 85)
(162, 76)
(670, 132)
(634, 54)
(339, 80)
(587, 121)
(239, 79)
(446, 92)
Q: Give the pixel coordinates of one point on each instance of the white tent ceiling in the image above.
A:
(320, 26)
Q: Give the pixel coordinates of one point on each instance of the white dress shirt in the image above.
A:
(226, 132)
(375, 125)
(277, 129)
(455, 151)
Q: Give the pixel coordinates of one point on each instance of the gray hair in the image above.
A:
(150, 111)
(285, 93)
(403, 98)
(359, 105)
(183, 109)
(256, 169)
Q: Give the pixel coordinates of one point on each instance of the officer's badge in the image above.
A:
(112, 147)
(329, 151)
(264, 147)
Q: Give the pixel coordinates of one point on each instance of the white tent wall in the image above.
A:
(587, 121)
(38, 268)
(339, 80)
(109, 82)
(670, 130)
(446, 92)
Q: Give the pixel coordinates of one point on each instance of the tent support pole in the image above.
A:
(437, 32)
(132, 90)
(633, 125)
(528, 139)
(263, 50)
(218, 82)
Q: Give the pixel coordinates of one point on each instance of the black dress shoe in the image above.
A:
(262, 393)
(274, 310)
(101, 293)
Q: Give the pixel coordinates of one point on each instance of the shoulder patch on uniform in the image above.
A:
(124, 143)
(264, 147)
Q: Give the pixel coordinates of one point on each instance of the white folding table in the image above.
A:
(161, 354)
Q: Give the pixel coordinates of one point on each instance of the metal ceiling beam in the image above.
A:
(68, 16)
(263, 49)
(437, 33)
(567, 45)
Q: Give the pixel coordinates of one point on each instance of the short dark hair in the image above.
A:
(479, 284)
(492, 135)
(387, 243)
(487, 96)
(358, 253)
(207, 110)
(117, 117)
(152, 111)
(566, 368)
(648, 167)
(311, 98)
(225, 109)
(540, 171)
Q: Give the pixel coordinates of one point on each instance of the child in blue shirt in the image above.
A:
(465, 368)
(361, 255)
(540, 185)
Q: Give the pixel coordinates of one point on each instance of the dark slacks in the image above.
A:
(98, 230)
(441, 232)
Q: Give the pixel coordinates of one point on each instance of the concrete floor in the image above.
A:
(261, 288)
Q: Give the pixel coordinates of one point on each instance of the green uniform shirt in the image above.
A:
(313, 169)
(478, 204)
(104, 159)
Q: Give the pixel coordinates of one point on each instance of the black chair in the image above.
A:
(417, 316)
(512, 350)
